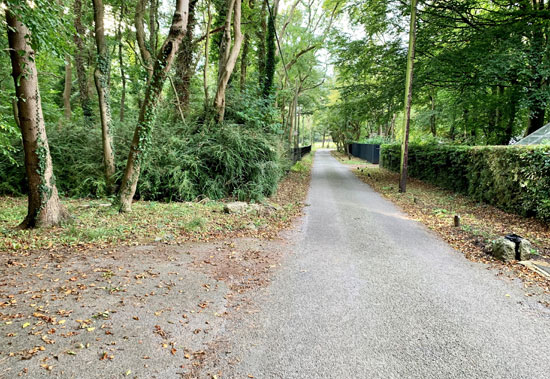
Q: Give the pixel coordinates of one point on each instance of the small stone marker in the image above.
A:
(457, 221)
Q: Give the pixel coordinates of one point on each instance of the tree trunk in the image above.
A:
(121, 64)
(142, 134)
(244, 62)
(140, 38)
(79, 58)
(101, 76)
(452, 132)
(270, 55)
(184, 60)
(433, 127)
(228, 54)
(324, 135)
(536, 117)
(206, 45)
(153, 25)
(44, 207)
(408, 99)
(391, 131)
(67, 87)
(15, 113)
(261, 45)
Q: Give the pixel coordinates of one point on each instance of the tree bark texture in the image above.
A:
(144, 50)
(101, 76)
(184, 64)
(153, 25)
(44, 206)
(142, 133)
(262, 31)
(228, 54)
(433, 127)
(79, 59)
(67, 88)
(270, 55)
(206, 46)
(408, 99)
(244, 62)
(121, 64)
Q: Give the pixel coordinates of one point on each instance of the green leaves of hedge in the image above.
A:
(513, 178)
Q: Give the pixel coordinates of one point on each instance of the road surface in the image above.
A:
(369, 293)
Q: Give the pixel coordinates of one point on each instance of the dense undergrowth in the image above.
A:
(185, 162)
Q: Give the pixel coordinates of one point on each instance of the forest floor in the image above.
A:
(480, 223)
(142, 295)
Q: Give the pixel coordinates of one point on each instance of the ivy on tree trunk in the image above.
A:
(101, 76)
(228, 54)
(142, 133)
(44, 206)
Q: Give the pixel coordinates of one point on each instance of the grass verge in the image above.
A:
(95, 224)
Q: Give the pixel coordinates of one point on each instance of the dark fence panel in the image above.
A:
(298, 153)
(366, 151)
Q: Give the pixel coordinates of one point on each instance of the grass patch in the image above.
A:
(303, 165)
(354, 161)
(95, 225)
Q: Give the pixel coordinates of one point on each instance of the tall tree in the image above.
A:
(206, 50)
(44, 206)
(79, 58)
(228, 54)
(145, 51)
(101, 75)
(260, 36)
(67, 87)
(408, 99)
(121, 64)
(246, 47)
(142, 133)
(270, 53)
(185, 61)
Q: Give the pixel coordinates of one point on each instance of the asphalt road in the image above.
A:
(369, 293)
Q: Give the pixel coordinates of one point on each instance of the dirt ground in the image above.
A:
(150, 311)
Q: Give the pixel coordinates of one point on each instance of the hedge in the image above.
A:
(513, 178)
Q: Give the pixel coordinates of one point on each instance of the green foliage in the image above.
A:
(217, 161)
(182, 163)
(8, 133)
(258, 113)
(513, 178)
(42, 17)
(303, 165)
(270, 60)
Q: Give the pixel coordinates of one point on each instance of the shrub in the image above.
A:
(217, 161)
(513, 178)
(184, 162)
